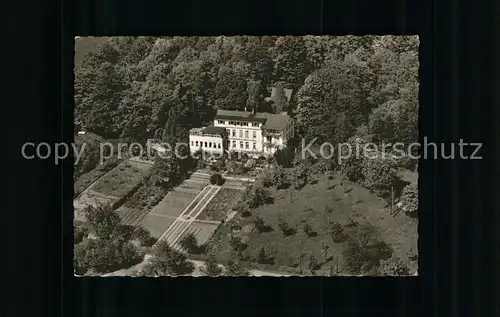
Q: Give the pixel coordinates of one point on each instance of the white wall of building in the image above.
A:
(242, 135)
(197, 142)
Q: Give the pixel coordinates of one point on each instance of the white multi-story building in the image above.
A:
(256, 133)
(210, 139)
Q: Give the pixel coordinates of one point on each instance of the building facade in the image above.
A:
(211, 140)
(253, 133)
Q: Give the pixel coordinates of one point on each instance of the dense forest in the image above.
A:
(129, 87)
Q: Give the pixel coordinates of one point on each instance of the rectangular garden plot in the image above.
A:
(220, 206)
(123, 179)
(156, 224)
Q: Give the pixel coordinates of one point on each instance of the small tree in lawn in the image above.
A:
(279, 178)
(324, 248)
(262, 257)
(211, 267)
(409, 199)
(337, 232)
(308, 230)
(300, 175)
(313, 263)
(283, 225)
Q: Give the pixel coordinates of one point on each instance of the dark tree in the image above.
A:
(104, 221)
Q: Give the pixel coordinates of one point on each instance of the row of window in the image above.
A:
(207, 144)
(233, 134)
(246, 144)
(238, 123)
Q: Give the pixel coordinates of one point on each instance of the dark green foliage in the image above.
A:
(130, 87)
(364, 250)
(300, 175)
(285, 228)
(313, 263)
(409, 199)
(143, 236)
(166, 172)
(254, 196)
(104, 221)
(309, 230)
(285, 156)
(105, 256)
(337, 232)
(216, 179)
(167, 261)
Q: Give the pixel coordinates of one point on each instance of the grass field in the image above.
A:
(85, 180)
(218, 208)
(317, 205)
(122, 179)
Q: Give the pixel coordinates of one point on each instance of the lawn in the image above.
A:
(317, 205)
(220, 205)
(121, 180)
(85, 180)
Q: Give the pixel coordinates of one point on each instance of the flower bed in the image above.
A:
(220, 205)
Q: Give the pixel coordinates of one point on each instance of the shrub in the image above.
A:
(313, 263)
(285, 228)
(309, 230)
(216, 179)
(408, 201)
(337, 233)
(255, 196)
(278, 178)
(105, 256)
(300, 175)
(265, 177)
(379, 175)
(143, 236)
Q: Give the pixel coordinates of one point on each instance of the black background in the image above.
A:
(459, 80)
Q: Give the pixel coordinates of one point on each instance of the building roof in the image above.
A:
(213, 130)
(270, 120)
